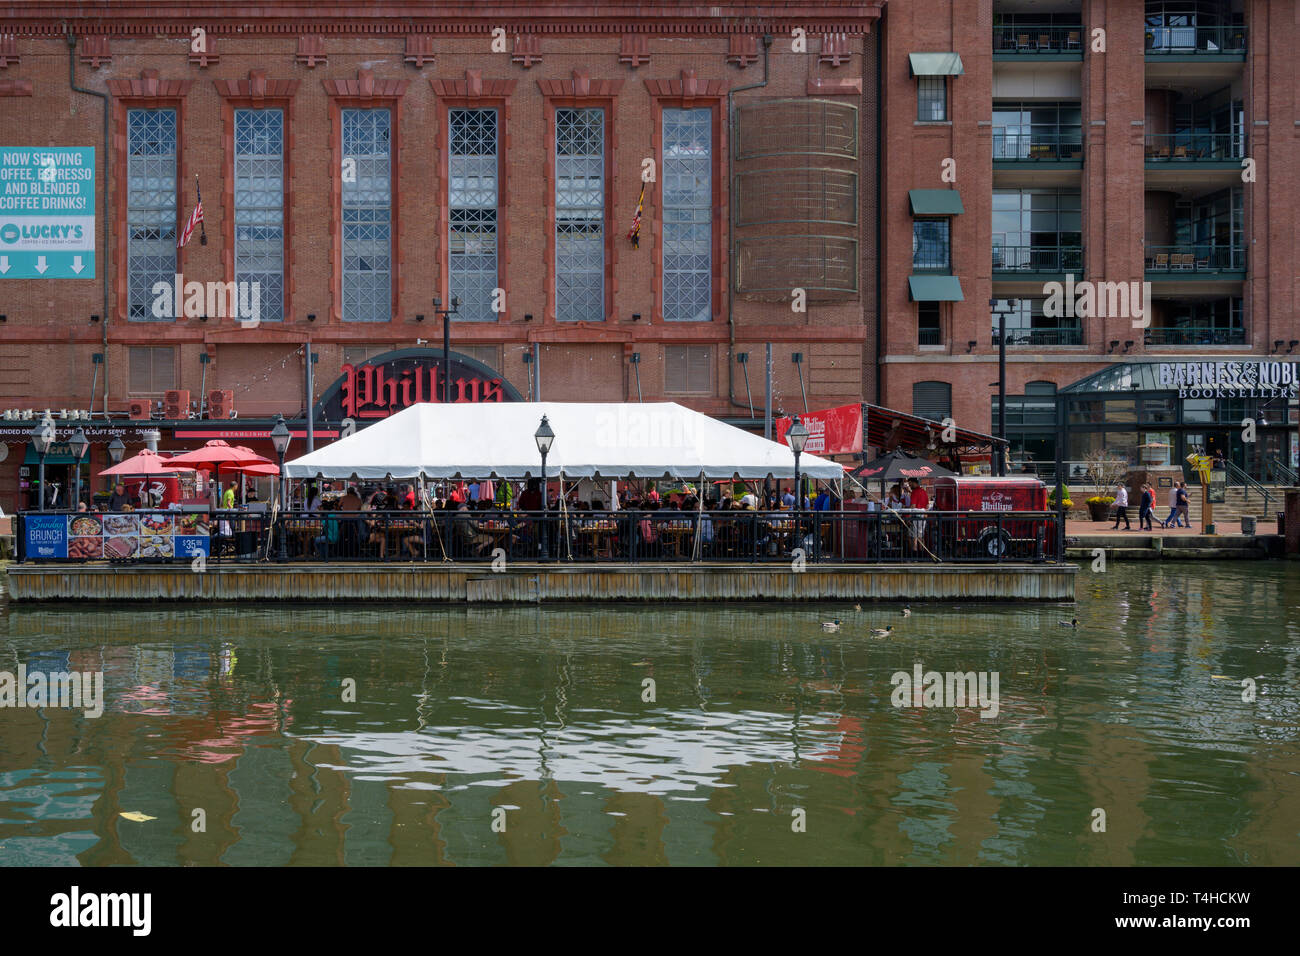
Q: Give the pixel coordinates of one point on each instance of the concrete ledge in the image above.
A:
(534, 583)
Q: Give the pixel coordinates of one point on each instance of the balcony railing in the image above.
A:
(1046, 259)
(1037, 147)
(1030, 337)
(1037, 41)
(1194, 147)
(1193, 259)
(928, 336)
(1212, 41)
(1194, 336)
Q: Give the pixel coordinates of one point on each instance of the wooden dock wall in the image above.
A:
(535, 583)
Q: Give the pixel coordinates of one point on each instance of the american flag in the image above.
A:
(635, 232)
(196, 219)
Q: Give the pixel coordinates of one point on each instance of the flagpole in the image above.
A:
(203, 229)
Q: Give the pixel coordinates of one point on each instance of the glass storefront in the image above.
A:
(1160, 412)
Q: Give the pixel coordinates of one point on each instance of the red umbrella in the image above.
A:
(146, 463)
(263, 467)
(216, 454)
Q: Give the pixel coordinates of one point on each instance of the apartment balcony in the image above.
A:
(1014, 262)
(1033, 338)
(1196, 42)
(1164, 150)
(1197, 262)
(1022, 42)
(1199, 337)
(1016, 149)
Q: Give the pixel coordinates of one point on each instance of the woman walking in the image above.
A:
(1145, 509)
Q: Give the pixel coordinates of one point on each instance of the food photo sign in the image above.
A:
(117, 537)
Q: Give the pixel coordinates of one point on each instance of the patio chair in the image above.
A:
(1203, 265)
(1180, 152)
(1162, 261)
(1022, 41)
(1044, 41)
(1189, 262)
(1072, 40)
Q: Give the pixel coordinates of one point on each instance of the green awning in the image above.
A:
(935, 202)
(935, 64)
(59, 453)
(935, 288)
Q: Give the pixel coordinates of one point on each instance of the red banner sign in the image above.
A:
(388, 383)
(831, 431)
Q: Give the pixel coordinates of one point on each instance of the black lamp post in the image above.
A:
(42, 437)
(1000, 453)
(116, 450)
(545, 437)
(446, 342)
(797, 437)
(79, 443)
(280, 439)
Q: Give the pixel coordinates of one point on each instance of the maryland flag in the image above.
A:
(635, 232)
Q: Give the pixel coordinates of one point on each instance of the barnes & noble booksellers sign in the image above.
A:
(1230, 379)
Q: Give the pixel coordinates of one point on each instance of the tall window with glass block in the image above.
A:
(259, 206)
(930, 246)
(928, 328)
(367, 185)
(687, 214)
(150, 209)
(931, 98)
(580, 215)
(472, 196)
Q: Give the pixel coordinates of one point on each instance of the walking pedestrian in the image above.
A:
(1145, 509)
(1184, 504)
(1173, 507)
(1121, 507)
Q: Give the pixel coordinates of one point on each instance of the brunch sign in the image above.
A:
(116, 537)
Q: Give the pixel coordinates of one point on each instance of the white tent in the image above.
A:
(610, 440)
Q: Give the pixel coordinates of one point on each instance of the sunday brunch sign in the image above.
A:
(116, 537)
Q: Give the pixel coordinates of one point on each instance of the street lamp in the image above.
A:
(545, 437)
(797, 437)
(116, 450)
(446, 343)
(42, 436)
(280, 439)
(79, 443)
(1000, 470)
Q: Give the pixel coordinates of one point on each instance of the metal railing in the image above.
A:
(1023, 337)
(1195, 257)
(1037, 40)
(1194, 336)
(1037, 147)
(1274, 469)
(620, 537)
(1194, 147)
(1054, 259)
(1208, 40)
(1236, 477)
(928, 336)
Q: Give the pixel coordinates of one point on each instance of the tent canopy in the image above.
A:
(592, 439)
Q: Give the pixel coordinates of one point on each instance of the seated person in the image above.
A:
(470, 533)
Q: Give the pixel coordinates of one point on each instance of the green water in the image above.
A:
(768, 741)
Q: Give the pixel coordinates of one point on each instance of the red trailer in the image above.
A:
(981, 532)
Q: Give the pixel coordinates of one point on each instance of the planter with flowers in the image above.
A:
(1099, 507)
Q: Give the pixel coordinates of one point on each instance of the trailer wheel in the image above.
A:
(994, 543)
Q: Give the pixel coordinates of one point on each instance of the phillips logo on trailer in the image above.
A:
(1230, 379)
(996, 501)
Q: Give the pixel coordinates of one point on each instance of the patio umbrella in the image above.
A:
(897, 465)
(216, 455)
(261, 468)
(146, 463)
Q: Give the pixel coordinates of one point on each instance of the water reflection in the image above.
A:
(682, 735)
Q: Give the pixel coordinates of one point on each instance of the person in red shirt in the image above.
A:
(919, 498)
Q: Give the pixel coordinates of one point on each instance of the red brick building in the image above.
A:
(1107, 142)
(851, 183)
(362, 160)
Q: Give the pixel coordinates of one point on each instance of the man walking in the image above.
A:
(1121, 507)
(1145, 508)
(1173, 507)
(1184, 504)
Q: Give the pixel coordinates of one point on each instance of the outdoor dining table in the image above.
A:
(678, 533)
(599, 534)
